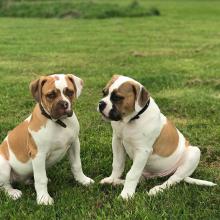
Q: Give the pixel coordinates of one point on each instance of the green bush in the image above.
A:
(90, 9)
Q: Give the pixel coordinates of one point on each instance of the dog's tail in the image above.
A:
(199, 182)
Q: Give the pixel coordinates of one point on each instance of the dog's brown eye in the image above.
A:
(69, 92)
(116, 98)
(51, 95)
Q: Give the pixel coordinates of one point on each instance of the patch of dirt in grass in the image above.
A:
(179, 121)
(71, 14)
(215, 83)
(153, 53)
(174, 52)
(211, 157)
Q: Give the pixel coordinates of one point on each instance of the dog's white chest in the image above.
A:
(52, 141)
(129, 136)
(59, 146)
(55, 140)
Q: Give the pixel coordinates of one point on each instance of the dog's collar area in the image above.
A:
(141, 111)
(44, 113)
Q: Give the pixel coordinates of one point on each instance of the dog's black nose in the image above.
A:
(102, 106)
(64, 104)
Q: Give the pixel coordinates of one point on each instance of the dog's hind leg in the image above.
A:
(188, 164)
(5, 173)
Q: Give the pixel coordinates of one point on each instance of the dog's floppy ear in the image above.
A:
(142, 96)
(36, 87)
(77, 83)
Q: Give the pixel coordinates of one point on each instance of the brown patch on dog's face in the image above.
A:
(71, 89)
(105, 91)
(167, 142)
(124, 98)
(50, 96)
(21, 143)
(126, 95)
(4, 150)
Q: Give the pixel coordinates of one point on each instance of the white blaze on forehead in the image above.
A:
(60, 81)
(120, 81)
(61, 84)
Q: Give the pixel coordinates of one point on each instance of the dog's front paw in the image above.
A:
(44, 199)
(113, 181)
(86, 181)
(155, 190)
(14, 194)
(126, 195)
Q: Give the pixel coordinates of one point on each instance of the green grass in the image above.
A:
(175, 55)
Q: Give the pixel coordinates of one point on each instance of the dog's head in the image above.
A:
(123, 98)
(56, 93)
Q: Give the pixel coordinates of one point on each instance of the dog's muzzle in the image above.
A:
(113, 114)
(61, 110)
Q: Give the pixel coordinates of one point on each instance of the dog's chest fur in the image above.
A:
(126, 135)
(52, 140)
(135, 134)
(56, 140)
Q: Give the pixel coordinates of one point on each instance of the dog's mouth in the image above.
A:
(104, 117)
(62, 114)
(110, 117)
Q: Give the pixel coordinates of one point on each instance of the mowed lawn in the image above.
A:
(175, 55)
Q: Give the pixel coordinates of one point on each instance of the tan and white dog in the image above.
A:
(44, 137)
(156, 147)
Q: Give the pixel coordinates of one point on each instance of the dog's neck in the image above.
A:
(136, 115)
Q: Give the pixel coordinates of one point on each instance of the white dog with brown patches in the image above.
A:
(44, 137)
(156, 147)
